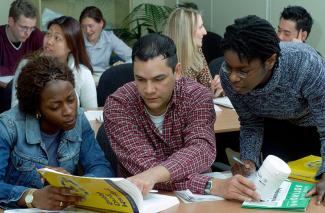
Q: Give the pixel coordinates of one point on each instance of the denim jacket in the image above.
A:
(22, 152)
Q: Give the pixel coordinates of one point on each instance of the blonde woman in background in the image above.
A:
(185, 27)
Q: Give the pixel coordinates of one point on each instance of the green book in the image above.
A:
(289, 197)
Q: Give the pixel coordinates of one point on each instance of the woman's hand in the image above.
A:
(53, 198)
(319, 189)
(244, 170)
(216, 86)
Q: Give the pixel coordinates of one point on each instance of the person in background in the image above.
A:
(46, 129)
(100, 44)
(19, 37)
(295, 24)
(185, 27)
(266, 79)
(161, 129)
(64, 40)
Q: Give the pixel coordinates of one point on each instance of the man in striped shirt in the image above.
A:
(161, 129)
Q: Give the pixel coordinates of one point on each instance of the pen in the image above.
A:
(239, 161)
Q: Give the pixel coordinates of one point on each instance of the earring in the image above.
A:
(38, 115)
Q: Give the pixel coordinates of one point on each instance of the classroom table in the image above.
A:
(226, 206)
(226, 121)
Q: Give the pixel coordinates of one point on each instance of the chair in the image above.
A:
(5, 97)
(215, 66)
(113, 78)
(106, 147)
(211, 46)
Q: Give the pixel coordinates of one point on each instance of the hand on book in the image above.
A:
(53, 198)
(244, 170)
(319, 189)
(235, 188)
(143, 184)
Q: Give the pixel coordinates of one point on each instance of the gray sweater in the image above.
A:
(295, 92)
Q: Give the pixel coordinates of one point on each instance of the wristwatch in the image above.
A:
(208, 187)
(29, 198)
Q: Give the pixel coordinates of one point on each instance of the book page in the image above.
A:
(223, 101)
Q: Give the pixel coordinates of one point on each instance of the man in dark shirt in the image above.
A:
(19, 36)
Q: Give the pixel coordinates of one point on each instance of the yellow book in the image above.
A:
(108, 194)
(305, 168)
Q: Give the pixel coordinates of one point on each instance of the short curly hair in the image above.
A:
(38, 71)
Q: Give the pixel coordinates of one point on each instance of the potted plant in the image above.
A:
(144, 18)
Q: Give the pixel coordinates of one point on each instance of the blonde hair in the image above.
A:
(181, 26)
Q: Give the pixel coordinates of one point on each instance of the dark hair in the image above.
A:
(34, 76)
(190, 5)
(153, 45)
(74, 38)
(299, 15)
(94, 13)
(21, 7)
(251, 37)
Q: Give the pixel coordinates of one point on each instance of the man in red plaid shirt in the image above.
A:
(161, 129)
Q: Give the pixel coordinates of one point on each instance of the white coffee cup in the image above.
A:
(270, 176)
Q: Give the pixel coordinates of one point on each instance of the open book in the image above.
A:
(289, 197)
(109, 194)
(305, 168)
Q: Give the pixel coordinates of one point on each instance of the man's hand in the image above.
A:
(244, 170)
(146, 180)
(319, 189)
(235, 188)
(299, 37)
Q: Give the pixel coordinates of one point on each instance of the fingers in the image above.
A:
(237, 188)
(143, 186)
(216, 86)
(244, 170)
(311, 192)
(300, 35)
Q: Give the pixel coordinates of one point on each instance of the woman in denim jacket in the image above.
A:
(45, 129)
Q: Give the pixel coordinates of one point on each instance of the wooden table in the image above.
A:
(226, 121)
(226, 206)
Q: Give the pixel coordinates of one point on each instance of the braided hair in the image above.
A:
(38, 71)
(251, 37)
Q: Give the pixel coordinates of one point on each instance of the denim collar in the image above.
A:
(33, 133)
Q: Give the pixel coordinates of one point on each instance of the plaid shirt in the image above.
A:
(186, 146)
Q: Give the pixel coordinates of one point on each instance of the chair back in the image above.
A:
(113, 78)
(5, 97)
(215, 66)
(211, 46)
(106, 147)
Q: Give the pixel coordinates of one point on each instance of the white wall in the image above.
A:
(218, 14)
(4, 11)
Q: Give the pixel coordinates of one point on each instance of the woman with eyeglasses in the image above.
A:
(277, 89)
(46, 129)
(100, 44)
(64, 40)
(185, 27)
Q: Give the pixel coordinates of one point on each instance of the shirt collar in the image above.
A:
(33, 131)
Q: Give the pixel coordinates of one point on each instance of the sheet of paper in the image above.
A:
(93, 115)
(223, 101)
